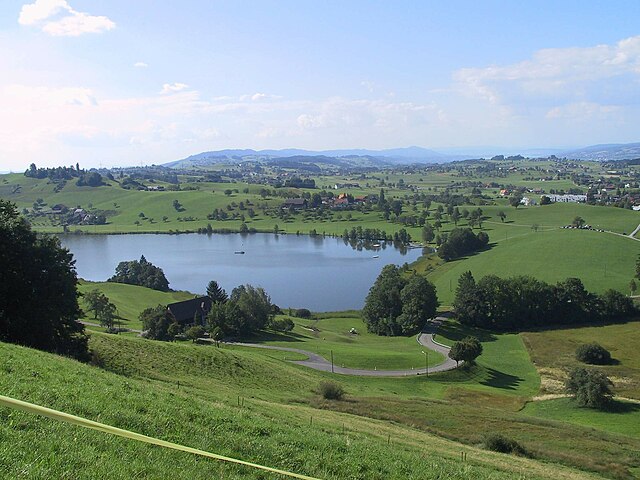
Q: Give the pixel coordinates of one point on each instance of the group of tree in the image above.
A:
(248, 309)
(90, 179)
(55, 173)
(521, 302)
(397, 305)
(460, 242)
(38, 294)
(142, 273)
(102, 308)
(466, 350)
(590, 388)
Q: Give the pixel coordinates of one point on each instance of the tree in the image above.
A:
(515, 200)
(419, 304)
(578, 222)
(455, 216)
(107, 314)
(593, 353)
(95, 300)
(216, 293)
(427, 233)
(142, 273)
(156, 322)
(38, 294)
(254, 305)
(466, 350)
(590, 388)
(633, 286)
(502, 215)
(545, 200)
(178, 206)
(383, 303)
(195, 332)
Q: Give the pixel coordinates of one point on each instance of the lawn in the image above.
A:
(330, 333)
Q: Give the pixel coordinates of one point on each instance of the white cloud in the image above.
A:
(173, 87)
(582, 111)
(40, 10)
(140, 65)
(256, 97)
(57, 18)
(576, 72)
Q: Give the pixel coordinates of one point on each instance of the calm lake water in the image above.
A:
(296, 271)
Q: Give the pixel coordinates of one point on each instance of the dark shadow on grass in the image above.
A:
(265, 336)
(616, 406)
(456, 331)
(501, 380)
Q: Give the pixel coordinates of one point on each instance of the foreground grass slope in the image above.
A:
(460, 405)
(331, 445)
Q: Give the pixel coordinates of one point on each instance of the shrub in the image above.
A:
(282, 324)
(590, 388)
(303, 313)
(499, 443)
(331, 390)
(593, 353)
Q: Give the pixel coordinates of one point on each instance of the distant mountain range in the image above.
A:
(397, 156)
(606, 152)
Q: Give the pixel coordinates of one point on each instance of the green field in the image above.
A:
(623, 418)
(330, 333)
(600, 260)
(130, 300)
(553, 351)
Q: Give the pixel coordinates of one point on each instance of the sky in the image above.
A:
(120, 82)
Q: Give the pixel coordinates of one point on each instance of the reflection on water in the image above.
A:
(297, 271)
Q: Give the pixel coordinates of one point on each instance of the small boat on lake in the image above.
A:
(376, 256)
(239, 252)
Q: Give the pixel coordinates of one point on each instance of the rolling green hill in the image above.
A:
(189, 395)
(600, 260)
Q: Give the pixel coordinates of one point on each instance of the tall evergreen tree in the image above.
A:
(38, 295)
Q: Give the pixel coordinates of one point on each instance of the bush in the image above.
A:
(499, 443)
(590, 388)
(331, 390)
(303, 313)
(282, 324)
(593, 353)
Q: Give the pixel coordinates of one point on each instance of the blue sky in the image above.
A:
(117, 82)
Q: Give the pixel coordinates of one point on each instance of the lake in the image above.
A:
(296, 271)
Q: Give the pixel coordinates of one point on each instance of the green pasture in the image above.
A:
(130, 300)
(554, 349)
(600, 260)
(622, 417)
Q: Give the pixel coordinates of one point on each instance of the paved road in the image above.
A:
(318, 362)
(632, 234)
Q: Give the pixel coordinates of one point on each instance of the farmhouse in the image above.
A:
(295, 203)
(191, 311)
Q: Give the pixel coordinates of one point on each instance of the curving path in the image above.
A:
(318, 362)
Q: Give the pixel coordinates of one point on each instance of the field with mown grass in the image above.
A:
(330, 332)
(291, 436)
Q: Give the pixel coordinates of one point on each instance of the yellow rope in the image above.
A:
(101, 427)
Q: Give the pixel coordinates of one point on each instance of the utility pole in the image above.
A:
(332, 361)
